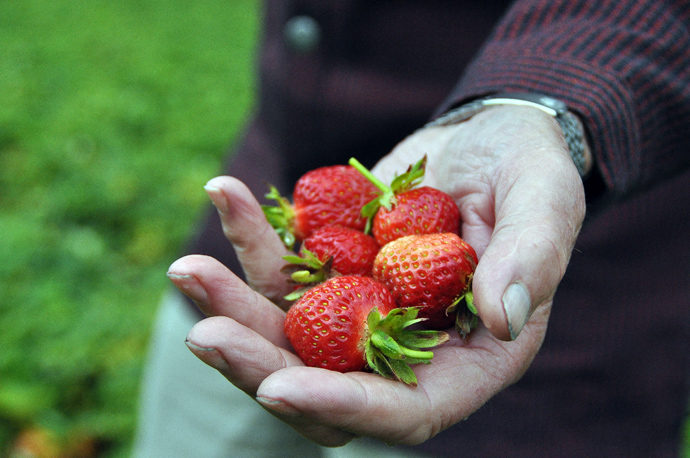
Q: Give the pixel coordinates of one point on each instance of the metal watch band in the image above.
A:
(572, 130)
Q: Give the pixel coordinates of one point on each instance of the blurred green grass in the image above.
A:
(113, 115)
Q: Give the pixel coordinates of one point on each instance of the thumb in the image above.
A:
(539, 213)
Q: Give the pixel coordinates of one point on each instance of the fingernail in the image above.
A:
(189, 285)
(279, 406)
(217, 197)
(209, 355)
(516, 303)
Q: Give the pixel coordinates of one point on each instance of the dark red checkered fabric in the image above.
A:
(624, 66)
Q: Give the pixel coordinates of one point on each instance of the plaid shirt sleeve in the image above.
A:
(622, 65)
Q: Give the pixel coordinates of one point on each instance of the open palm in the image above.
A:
(522, 205)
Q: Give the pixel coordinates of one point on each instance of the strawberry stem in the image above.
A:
(383, 187)
(402, 183)
(384, 200)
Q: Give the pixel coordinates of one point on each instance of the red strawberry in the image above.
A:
(348, 323)
(353, 251)
(328, 252)
(431, 271)
(403, 209)
(325, 196)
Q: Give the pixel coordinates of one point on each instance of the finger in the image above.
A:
(217, 291)
(241, 354)
(459, 380)
(258, 247)
(539, 212)
(355, 402)
(246, 359)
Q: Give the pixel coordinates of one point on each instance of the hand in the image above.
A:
(521, 201)
(522, 204)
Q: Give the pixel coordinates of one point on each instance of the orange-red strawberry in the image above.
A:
(326, 196)
(349, 323)
(328, 252)
(405, 209)
(431, 271)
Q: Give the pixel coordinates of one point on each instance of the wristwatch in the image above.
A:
(572, 129)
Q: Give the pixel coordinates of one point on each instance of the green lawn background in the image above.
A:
(113, 115)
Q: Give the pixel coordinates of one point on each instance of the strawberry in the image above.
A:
(405, 209)
(328, 252)
(353, 251)
(349, 323)
(326, 196)
(433, 272)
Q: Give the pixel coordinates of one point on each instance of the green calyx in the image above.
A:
(466, 318)
(306, 270)
(280, 217)
(392, 348)
(408, 180)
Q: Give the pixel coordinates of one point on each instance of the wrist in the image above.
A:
(570, 124)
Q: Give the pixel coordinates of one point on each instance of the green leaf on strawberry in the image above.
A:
(306, 270)
(392, 347)
(401, 183)
(280, 217)
(328, 252)
(467, 317)
(405, 208)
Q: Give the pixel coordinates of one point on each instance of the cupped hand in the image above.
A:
(521, 201)
(522, 205)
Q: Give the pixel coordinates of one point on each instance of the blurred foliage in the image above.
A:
(113, 115)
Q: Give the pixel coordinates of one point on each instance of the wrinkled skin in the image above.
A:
(522, 205)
